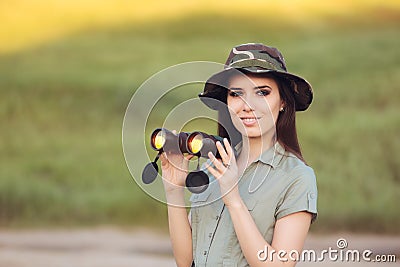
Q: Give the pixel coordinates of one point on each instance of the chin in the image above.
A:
(256, 133)
(252, 133)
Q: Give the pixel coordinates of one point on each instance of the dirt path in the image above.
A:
(113, 247)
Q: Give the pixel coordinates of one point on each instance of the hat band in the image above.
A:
(261, 63)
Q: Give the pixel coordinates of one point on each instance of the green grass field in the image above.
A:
(62, 106)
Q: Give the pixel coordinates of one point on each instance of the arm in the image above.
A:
(174, 171)
(289, 234)
(179, 229)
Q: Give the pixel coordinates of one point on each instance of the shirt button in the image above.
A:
(210, 235)
(217, 217)
(205, 252)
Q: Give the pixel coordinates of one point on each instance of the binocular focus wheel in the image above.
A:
(197, 182)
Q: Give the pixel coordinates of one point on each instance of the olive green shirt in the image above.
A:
(273, 186)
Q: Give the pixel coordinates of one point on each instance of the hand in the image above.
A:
(174, 170)
(226, 172)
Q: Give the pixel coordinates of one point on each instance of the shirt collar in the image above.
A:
(272, 156)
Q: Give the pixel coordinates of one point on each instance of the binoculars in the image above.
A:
(196, 143)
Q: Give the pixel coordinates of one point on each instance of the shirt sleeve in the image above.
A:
(300, 195)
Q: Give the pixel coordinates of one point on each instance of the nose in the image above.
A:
(247, 106)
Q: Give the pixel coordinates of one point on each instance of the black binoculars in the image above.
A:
(195, 143)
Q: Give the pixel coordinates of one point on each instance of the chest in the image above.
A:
(214, 236)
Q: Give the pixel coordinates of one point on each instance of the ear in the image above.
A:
(282, 107)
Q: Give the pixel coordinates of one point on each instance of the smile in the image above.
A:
(249, 121)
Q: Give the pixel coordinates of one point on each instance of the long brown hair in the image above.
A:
(286, 123)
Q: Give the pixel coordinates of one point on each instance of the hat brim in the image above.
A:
(214, 86)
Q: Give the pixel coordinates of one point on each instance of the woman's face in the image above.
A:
(254, 103)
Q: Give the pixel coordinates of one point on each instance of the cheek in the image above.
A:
(234, 108)
(274, 103)
(274, 107)
(234, 105)
(265, 106)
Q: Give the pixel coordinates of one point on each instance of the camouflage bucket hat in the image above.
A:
(256, 58)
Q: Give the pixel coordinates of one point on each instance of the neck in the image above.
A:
(253, 147)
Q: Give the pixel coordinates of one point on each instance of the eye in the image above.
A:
(263, 92)
(235, 93)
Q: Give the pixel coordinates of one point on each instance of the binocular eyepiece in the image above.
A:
(195, 143)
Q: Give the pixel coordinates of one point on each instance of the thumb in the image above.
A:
(189, 156)
(164, 160)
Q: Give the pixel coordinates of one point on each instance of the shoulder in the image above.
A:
(294, 167)
(300, 188)
(295, 171)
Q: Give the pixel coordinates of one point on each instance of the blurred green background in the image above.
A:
(69, 68)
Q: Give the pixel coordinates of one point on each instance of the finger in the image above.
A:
(229, 149)
(222, 153)
(218, 164)
(213, 171)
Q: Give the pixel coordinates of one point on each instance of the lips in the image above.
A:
(249, 121)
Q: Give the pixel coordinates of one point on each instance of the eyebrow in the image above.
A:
(255, 88)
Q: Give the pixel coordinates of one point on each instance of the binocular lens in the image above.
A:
(163, 140)
(200, 144)
(195, 143)
(159, 140)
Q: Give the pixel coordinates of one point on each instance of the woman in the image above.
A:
(262, 198)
